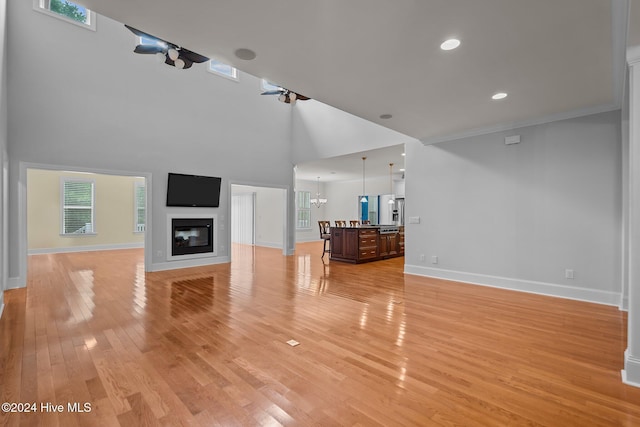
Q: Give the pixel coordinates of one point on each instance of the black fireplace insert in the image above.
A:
(192, 236)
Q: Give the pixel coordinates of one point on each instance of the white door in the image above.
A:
(242, 221)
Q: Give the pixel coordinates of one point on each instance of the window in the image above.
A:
(67, 11)
(303, 209)
(77, 206)
(222, 69)
(148, 41)
(267, 86)
(140, 206)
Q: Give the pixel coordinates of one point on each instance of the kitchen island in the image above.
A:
(366, 243)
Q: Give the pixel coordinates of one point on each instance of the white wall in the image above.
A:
(83, 99)
(3, 154)
(320, 131)
(269, 214)
(317, 213)
(343, 196)
(518, 216)
(270, 204)
(624, 133)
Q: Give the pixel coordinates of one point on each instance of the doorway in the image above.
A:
(51, 222)
(243, 217)
(258, 216)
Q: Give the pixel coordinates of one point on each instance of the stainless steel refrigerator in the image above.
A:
(390, 213)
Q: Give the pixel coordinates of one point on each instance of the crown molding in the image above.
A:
(522, 123)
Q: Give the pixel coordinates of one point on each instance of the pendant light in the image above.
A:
(392, 199)
(364, 197)
(317, 202)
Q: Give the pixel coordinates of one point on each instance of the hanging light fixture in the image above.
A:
(317, 202)
(364, 196)
(392, 199)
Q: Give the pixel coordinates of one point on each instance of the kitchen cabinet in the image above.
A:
(368, 243)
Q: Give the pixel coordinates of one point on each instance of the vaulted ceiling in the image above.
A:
(382, 57)
(373, 58)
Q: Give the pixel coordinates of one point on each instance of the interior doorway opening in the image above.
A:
(258, 216)
(66, 209)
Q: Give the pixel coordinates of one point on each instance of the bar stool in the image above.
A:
(341, 223)
(325, 235)
(354, 223)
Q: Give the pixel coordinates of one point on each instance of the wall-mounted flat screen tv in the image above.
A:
(193, 190)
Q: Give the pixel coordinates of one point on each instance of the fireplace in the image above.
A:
(191, 236)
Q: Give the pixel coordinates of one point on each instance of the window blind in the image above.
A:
(78, 207)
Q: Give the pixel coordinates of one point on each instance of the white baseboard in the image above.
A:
(1, 303)
(631, 372)
(270, 245)
(198, 262)
(88, 248)
(15, 283)
(549, 289)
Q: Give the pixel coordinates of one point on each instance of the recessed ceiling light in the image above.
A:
(450, 44)
(499, 95)
(401, 169)
(245, 54)
(385, 116)
(404, 154)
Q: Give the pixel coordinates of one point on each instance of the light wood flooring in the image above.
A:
(208, 346)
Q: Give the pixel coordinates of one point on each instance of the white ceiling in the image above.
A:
(374, 57)
(349, 167)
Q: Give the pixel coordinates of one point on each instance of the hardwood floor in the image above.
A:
(208, 346)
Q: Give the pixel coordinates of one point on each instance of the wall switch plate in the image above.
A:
(434, 259)
(568, 274)
(414, 220)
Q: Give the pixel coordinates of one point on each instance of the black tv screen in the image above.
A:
(193, 190)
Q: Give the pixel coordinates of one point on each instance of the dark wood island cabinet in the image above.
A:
(367, 243)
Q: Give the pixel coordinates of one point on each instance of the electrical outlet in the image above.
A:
(568, 273)
(158, 253)
(422, 257)
(434, 259)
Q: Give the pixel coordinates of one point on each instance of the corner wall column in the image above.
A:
(631, 371)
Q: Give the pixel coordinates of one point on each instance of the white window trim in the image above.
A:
(93, 204)
(39, 6)
(298, 209)
(226, 76)
(136, 227)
